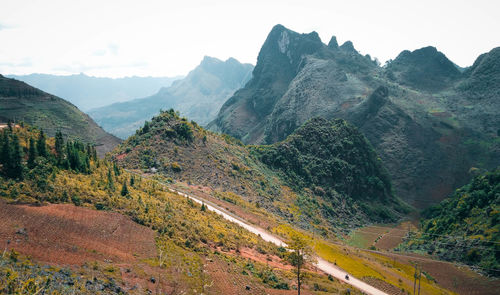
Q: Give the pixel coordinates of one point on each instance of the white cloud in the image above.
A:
(119, 38)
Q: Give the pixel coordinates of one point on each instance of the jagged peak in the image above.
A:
(208, 60)
(348, 46)
(333, 43)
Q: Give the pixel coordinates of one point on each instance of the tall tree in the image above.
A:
(299, 255)
(15, 166)
(111, 183)
(124, 190)
(41, 145)
(59, 147)
(5, 153)
(32, 154)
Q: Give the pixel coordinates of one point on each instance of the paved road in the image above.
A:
(321, 264)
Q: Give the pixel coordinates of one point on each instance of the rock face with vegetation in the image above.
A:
(21, 102)
(465, 227)
(429, 121)
(198, 96)
(324, 174)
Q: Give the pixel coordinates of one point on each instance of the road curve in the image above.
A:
(321, 263)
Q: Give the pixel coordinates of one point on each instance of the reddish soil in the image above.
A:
(384, 286)
(63, 234)
(226, 279)
(70, 235)
(121, 156)
(393, 238)
(271, 260)
(452, 277)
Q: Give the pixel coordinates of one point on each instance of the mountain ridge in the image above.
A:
(430, 109)
(199, 96)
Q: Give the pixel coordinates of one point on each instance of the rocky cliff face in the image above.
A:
(429, 122)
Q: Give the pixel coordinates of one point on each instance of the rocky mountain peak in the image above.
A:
(348, 46)
(333, 44)
(425, 68)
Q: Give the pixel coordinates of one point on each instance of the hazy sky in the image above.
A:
(167, 38)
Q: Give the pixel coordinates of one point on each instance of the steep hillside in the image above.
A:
(286, 179)
(103, 230)
(429, 122)
(21, 102)
(466, 226)
(199, 96)
(88, 92)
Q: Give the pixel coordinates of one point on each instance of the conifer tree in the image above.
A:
(124, 190)
(32, 153)
(41, 145)
(15, 166)
(5, 153)
(116, 169)
(111, 184)
(59, 147)
(132, 180)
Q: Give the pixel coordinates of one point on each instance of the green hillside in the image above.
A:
(21, 102)
(465, 227)
(336, 178)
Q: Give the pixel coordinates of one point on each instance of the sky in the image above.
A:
(169, 38)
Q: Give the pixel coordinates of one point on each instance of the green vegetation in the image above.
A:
(466, 226)
(335, 161)
(188, 234)
(336, 178)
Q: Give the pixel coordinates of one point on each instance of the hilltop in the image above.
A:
(288, 179)
(429, 122)
(198, 96)
(22, 102)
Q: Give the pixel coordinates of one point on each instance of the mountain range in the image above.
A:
(87, 92)
(198, 96)
(429, 121)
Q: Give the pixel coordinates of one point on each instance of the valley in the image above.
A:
(134, 161)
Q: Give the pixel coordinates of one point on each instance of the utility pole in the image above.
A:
(414, 278)
(419, 278)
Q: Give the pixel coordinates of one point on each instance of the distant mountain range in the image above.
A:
(198, 96)
(91, 92)
(22, 102)
(429, 121)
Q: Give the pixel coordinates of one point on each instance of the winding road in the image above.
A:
(321, 263)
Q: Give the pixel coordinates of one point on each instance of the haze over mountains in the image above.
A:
(88, 92)
(198, 96)
(429, 122)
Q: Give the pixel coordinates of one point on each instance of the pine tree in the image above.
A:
(41, 145)
(116, 169)
(32, 153)
(111, 184)
(15, 166)
(59, 147)
(5, 153)
(132, 180)
(124, 190)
